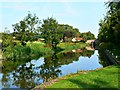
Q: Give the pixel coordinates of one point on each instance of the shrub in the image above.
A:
(104, 46)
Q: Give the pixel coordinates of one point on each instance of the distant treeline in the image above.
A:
(31, 28)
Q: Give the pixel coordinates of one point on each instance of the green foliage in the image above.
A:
(7, 40)
(27, 29)
(16, 51)
(18, 54)
(67, 32)
(108, 45)
(87, 36)
(50, 32)
(113, 50)
(49, 70)
(39, 49)
(1, 36)
(71, 46)
(116, 53)
(109, 30)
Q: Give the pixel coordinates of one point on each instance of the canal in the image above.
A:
(28, 73)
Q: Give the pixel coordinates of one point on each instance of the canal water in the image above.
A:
(34, 72)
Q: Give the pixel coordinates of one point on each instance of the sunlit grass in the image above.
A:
(38, 47)
(71, 46)
(103, 78)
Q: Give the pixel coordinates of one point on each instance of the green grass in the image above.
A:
(71, 46)
(103, 78)
(40, 47)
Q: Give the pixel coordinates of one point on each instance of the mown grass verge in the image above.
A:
(107, 77)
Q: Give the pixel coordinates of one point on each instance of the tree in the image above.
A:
(50, 32)
(87, 35)
(26, 29)
(7, 39)
(67, 31)
(109, 30)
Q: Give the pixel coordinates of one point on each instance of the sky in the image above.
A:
(82, 14)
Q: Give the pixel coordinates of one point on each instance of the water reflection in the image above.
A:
(103, 60)
(34, 72)
(50, 68)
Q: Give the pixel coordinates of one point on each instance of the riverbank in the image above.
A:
(40, 47)
(66, 46)
(101, 78)
(34, 50)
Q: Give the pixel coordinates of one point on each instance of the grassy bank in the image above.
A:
(102, 78)
(40, 47)
(18, 55)
(70, 46)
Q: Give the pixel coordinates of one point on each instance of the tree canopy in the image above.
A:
(50, 32)
(31, 28)
(109, 30)
(87, 35)
(68, 31)
(26, 29)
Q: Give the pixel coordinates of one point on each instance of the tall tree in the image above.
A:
(109, 30)
(87, 35)
(67, 31)
(50, 32)
(27, 28)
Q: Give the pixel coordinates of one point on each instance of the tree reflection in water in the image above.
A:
(29, 75)
(23, 76)
(50, 68)
(102, 59)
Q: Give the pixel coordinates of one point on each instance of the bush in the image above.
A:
(104, 46)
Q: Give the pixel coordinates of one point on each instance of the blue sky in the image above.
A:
(82, 15)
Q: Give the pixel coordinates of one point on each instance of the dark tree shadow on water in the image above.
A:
(57, 49)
